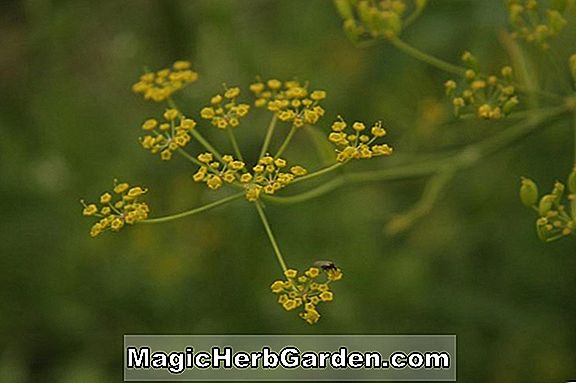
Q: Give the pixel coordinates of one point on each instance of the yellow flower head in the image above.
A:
(307, 291)
(167, 137)
(353, 143)
(489, 98)
(290, 101)
(224, 111)
(158, 86)
(115, 211)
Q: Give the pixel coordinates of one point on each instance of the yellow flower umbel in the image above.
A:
(269, 176)
(489, 98)
(356, 141)
(215, 173)
(306, 291)
(266, 177)
(290, 101)
(169, 135)
(533, 24)
(555, 220)
(117, 209)
(224, 110)
(158, 86)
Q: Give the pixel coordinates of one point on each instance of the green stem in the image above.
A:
(286, 142)
(232, 139)
(200, 209)
(197, 135)
(269, 134)
(190, 157)
(462, 159)
(270, 235)
(206, 144)
(419, 55)
(318, 173)
(455, 69)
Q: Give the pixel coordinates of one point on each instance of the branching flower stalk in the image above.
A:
(292, 106)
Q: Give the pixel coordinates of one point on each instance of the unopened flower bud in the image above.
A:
(528, 192)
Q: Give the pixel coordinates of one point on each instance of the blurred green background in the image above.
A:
(69, 125)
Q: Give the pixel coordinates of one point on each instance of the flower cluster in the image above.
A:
(368, 19)
(291, 101)
(168, 136)
(555, 220)
(306, 290)
(353, 143)
(224, 111)
(489, 98)
(266, 177)
(269, 177)
(117, 209)
(533, 24)
(214, 172)
(158, 86)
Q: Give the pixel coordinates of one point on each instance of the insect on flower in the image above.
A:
(326, 265)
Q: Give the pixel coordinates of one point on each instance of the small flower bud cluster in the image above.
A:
(117, 209)
(353, 142)
(369, 20)
(269, 177)
(224, 110)
(490, 98)
(555, 220)
(534, 25)
(158, 86)
(214, 173)
(306, 290)
(168, 136)
(291, 101)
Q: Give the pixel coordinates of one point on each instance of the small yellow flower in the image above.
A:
(290, 273)
(105, 198)
(90, 210)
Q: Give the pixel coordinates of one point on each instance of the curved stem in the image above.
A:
(286, 142)
(419, 55)
(455, 69)
(269, 134)
(462, 159)
(197, 210)
(318, 173)
(271, 237)
(232, 139)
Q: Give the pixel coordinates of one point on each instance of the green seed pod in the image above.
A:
(344, 9)
(558, 191)
(353, 30)
(528, 192)
(556, 21)
(510, 104)
(572, 181)
(421, 4)
(365, 14)
(546, 204)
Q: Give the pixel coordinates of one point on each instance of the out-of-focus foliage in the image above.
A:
(69, 122)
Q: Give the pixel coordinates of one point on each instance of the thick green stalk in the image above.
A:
(197, 210)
